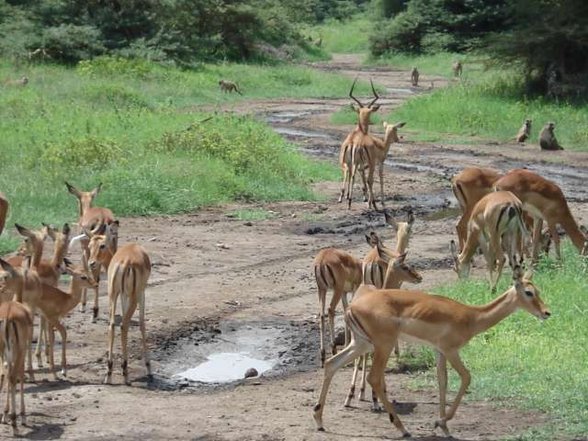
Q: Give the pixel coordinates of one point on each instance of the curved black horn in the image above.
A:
(351, 94)
(377, 97)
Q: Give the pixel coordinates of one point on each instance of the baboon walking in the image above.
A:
(414, 77)
(524, 131)
(229, 86)
(547, 139)
(457, 69)
(23, 81)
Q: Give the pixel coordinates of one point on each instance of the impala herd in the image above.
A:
(29, 284)
(503, 214)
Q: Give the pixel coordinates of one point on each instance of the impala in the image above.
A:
(92, 221)
(469, 186)
(378, 317)
(129, 268)
(16, 328)
(339, 271)
(545, 201)
(496, 225)
(397, 272)
(354, 138)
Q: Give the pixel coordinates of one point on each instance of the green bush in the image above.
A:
(70, 43)
(76, 153)
(106, 66)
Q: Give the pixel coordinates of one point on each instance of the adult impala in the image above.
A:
(496, 225)
(92, 221)
(355, 138)
(129, 268)
(545, 201)
(469, 186)
(377, 318)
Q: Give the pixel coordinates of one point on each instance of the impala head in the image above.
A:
(401, 271)
(100, 252)
(363, 111)
(403, 230)
(462, 269)
(85, 198)
(9, 276)
(528, 294)
(80, 273)
(391, 131)
(385, 254)
(33, 240)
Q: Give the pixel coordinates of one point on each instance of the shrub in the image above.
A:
(87, 152)
(70, 43)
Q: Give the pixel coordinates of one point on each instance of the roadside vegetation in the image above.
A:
(529, 364)
(151, 135)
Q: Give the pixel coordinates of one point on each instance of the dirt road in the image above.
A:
(221, 284)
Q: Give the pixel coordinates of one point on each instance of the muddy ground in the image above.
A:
(215, 275)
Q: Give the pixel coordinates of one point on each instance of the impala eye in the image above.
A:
(528, 293)
(102, 246)
(84, 278)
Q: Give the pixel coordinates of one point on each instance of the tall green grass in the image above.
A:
(523, 362)
(343, 36)
(152, 135)
(491, 109)
(439, 64)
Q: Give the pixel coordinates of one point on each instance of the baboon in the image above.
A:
(229, 86)
(319, 41)
(23, 81)
(524, 131)
(547, 139)
(457, 69)
(414, 77)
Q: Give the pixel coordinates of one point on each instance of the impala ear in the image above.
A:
(528, 275)
(372, 239)
(7, 267)
(400, 124)
(23, 231)
(390, 220)
(400, 259)
(375, 108)
(96, 190)
(72, 189)
(355, 109)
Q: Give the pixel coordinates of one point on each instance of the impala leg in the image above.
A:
(376, 380)
(347, 330)
(364, 187)
(42, 340)
(351, 393)
(63, 333)
(337, 294)
(110, 356)
(7, 404)
(332, 365)
(51, 335)
(322, 300)
(351, 183)
(364, 370)
(464, 374)
(96, 275)
(144, 333)
(371, 199)
(23, 418)
(381, 173)
(13, 401)
(124, 335)
(556, 242)
(442, 380)
(537, 227)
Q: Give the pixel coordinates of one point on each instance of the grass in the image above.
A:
(532, 365)
(152, 135)
(343, 36)
(486, 104)
(251, 214)
(439, 64)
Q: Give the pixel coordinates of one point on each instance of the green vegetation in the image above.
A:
(342, 36)
(253, 214)
(139, 128)
(525, 363)
(431, 64)
(489, 109)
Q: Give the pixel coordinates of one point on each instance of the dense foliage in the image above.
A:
(183, 31)
(547, 39)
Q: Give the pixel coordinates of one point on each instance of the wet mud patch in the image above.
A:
(218, 355)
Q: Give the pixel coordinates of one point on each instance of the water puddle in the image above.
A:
(399, 90)
(225, 367)
(285, 117)
(300, 133)
(222, 354)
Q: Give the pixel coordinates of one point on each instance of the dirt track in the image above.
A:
(214, 274)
